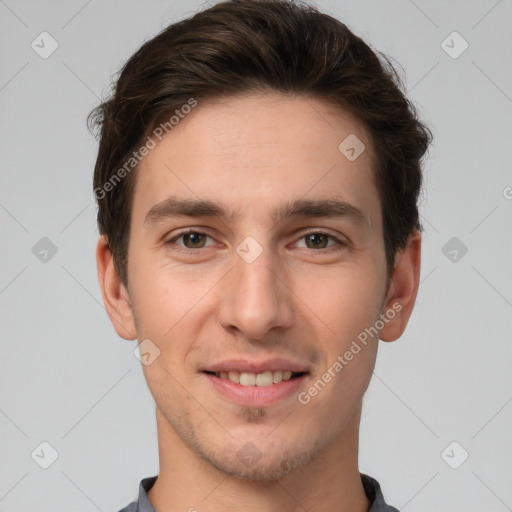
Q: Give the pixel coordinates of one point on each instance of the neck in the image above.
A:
(329, 482)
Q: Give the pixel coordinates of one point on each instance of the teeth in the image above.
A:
(277, 377)
(234, 377)
(264, 379)
(260, 379)
(247, 379)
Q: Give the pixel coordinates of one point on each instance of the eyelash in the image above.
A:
(339, 244)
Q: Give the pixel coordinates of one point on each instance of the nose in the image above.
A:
(256, 298)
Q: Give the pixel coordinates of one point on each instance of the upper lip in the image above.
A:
(243, 365)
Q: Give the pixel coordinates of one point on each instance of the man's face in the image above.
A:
(251, 291)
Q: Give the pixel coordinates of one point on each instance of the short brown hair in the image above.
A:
(242, 46)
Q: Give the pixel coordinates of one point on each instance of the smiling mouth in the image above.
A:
(263, 379)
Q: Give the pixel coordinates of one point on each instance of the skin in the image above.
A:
(254, 153)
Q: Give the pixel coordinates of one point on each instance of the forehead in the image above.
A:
(257, 151)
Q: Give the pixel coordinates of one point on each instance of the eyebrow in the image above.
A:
(329, 208)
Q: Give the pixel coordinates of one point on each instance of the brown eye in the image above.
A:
(190, 239)
(316, 241)
(320, 242)
(194, 240)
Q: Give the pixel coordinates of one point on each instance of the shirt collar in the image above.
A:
(370, 485)
(374, 494)
(144, 487)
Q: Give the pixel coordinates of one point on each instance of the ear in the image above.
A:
(403, 288)
(115, 295)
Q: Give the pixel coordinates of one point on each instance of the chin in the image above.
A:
(256, 449)
(251, 464)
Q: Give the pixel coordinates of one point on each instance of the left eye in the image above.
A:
(319, 240)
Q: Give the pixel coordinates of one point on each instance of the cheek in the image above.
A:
(170, 306)
(162, 295)
(346, 306)
(345, 301)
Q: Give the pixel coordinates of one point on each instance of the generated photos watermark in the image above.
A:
(304, 397)
(137, 156)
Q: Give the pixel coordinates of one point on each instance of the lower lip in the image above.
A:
(256, 396)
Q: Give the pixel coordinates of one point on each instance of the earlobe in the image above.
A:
(403, 289)
(115, 295)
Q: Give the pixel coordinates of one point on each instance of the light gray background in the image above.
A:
(66, 378)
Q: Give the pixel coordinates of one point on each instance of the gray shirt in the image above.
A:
(371, 488)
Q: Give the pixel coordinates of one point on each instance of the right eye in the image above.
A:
(191, 239)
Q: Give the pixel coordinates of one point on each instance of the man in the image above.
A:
(257, 184)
